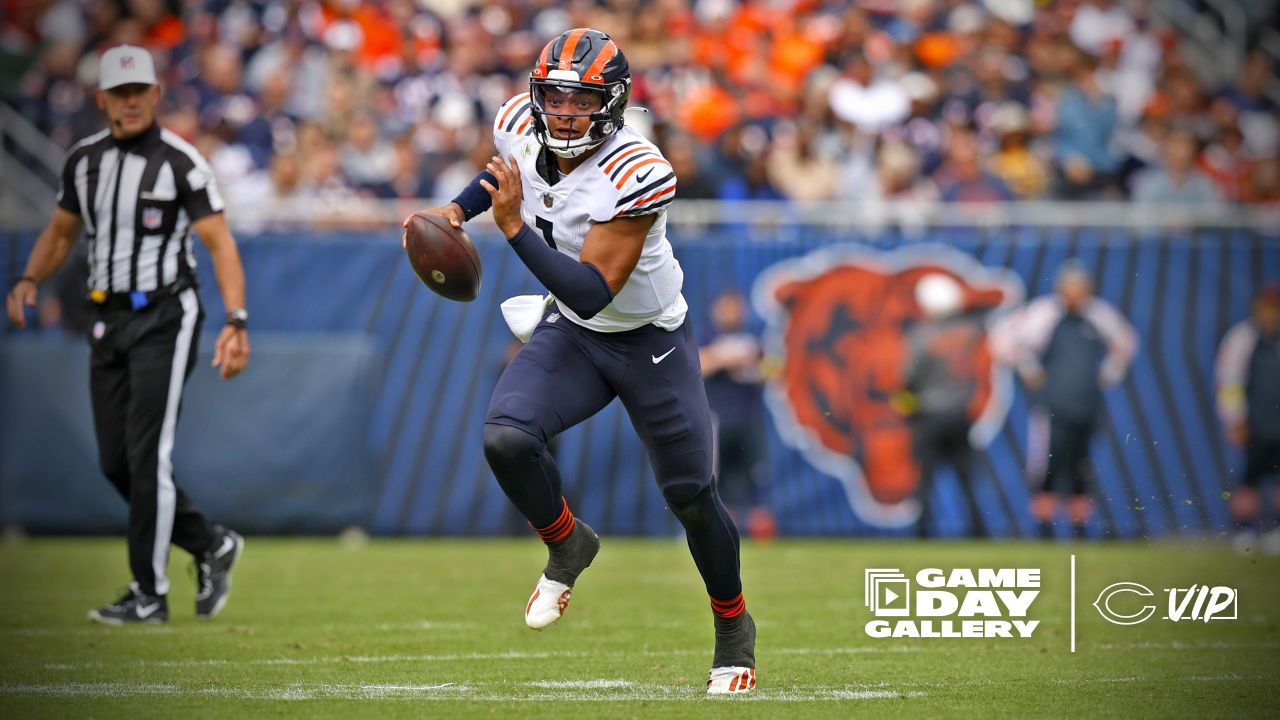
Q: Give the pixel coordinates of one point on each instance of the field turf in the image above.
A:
(402, 628)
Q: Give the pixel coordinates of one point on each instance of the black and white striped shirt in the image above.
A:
(138, 198)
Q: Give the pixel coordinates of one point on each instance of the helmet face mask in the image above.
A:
(580, 60)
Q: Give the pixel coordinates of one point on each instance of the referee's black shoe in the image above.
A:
(133, 607)
(213, 574)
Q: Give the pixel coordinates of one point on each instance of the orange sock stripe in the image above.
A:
(559, 529)
(726, 603)
(729, 608)
(565, 533)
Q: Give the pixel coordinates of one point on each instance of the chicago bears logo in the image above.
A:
(839, 319)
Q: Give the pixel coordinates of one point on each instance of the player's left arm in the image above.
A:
(198, 190)
(609, 252)
(231, 352)
(1121, 339)
(614, 247)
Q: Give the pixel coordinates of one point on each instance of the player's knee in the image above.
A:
(689, 501)
(505, 446)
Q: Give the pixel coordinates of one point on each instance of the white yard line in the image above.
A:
(582, 684)
(676, 652)
(97, 630)
(599, 690)
(457, 657)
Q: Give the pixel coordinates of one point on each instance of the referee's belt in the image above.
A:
(138, 299)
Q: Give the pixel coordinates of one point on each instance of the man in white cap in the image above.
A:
(139, 192)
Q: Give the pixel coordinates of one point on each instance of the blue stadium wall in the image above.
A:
(366, 396)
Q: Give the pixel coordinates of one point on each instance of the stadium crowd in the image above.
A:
(955, 100)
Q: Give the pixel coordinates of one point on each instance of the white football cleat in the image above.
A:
(731, 680)
(547, 603)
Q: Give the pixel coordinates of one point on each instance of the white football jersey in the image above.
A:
(627, 176)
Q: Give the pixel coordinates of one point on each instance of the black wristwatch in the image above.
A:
(238, 318)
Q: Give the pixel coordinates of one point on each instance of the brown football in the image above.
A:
(443, 256)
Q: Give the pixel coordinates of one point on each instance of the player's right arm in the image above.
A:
(513, 121)
(49, 253)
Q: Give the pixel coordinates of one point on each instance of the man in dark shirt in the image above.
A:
(1067, 347)
(732, 363)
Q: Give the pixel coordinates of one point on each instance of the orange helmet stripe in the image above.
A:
(607, 53)
(541, 68)
(570, 45)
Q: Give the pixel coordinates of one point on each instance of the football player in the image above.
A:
(582, 200)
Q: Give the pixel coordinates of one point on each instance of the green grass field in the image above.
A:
(434, 629)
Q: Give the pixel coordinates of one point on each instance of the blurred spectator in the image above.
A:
(1014, 163)
(272, 126)
(898, 176)
(279, 186)
(306, 64)
(923, 129)
(962, 179)
(1067, 347)
(940, 393)
(1177, 181)
(859, 78)
(1257, 111)
(753, 184)
(1228, 164)
(1099, 23)
(458, 175)
(732, 367)
(867, 100)
(1264, 183)
(367, 159)
(1083, 141)
(694, 182)
(798, 170)
(1143, 145)
(1248, 380)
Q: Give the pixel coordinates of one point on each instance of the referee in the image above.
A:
(139, 191)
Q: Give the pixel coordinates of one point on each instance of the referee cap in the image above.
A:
(125, 64)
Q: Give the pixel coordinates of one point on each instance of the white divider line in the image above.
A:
(1073, 602)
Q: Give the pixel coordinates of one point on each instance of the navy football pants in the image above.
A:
(566, 374)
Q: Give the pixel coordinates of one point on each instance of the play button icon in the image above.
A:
(888, 592)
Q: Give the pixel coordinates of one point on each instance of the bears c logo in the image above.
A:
(838, 320)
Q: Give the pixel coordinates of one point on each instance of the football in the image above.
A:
(443, 256)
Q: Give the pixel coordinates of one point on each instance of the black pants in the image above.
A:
(1068, 471)
(739, 457)
(140, 362)
(1262, 459)
(939, 439)
(566, 374)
